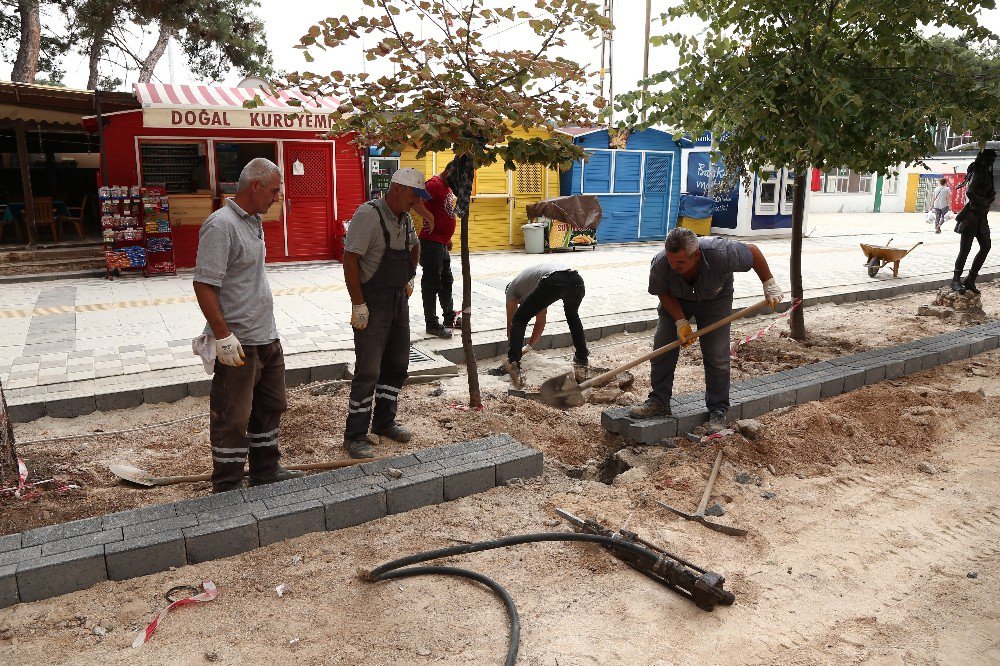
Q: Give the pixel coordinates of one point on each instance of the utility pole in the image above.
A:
(611, 68)
(604, 43)
(645, 56)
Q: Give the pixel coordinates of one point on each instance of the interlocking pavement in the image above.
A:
(55, 335)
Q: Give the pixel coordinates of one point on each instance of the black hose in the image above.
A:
(514, 638)
(401, 568)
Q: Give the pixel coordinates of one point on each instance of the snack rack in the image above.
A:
(159, 237)
(135, 225)
(122, 230)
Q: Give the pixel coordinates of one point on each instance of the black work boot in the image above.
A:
(970, 284)
(956, 284)
(359, 447)
(396, 433)
(280, 474)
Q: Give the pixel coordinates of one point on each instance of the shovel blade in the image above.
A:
(725, 529)
(561, 392)
(133, 475)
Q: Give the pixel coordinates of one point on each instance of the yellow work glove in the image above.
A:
(409, 287)
(684, 332)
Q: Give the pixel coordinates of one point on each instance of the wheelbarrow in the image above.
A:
(880, 256)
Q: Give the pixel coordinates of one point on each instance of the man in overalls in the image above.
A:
(381, 253)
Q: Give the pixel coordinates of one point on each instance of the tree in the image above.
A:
(450, 93)
(821, 84)
(24, 41)
(216, 36)
(8, 451)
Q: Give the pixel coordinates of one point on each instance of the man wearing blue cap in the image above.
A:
(381, 254)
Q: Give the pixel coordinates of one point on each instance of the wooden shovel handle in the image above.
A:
(711, 484)
(702, 330)
(193, 478)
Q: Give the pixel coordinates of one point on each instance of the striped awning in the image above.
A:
(166, 96)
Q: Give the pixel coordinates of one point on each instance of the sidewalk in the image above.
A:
(77, 336)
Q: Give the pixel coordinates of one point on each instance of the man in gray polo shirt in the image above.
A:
(693, 278)
(248, 389)
(380, 261)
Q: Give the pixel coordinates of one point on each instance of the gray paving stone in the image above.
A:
(290, 520)
(20, 555)
(146, 555)
(51, 576)
(440, 452)
(67, 408)
(8, 586)
(412, 492)
(273, 489)
(297, 376)
(784, 397)
(137, 530)
(299, 497)
(353, 507)
(930, 360)
(398, 462)
(807, 393)
(831, 387)
(209, 502)
(231, 511)
(10, 542)
(141, 515)
(105, 402)
(200, 388)
(75, 528)
(875, 375)
(751, 409)
(468, 480)
(170, 393)
(332, 477)
(895, 369)
(525, 465)
(80, 542)
(221, 539)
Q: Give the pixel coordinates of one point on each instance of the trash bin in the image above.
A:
(534, 237)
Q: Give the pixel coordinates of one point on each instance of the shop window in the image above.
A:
(845, 181)
(178, 167)
(230, 158)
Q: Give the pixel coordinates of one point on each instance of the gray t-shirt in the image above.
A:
(364, 235)
(231, 256)
(720, 258)
(527, 281)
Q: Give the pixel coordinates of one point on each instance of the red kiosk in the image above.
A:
(193, 141)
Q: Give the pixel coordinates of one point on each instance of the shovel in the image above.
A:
(563, 392)
(143, 478)
(699, 515)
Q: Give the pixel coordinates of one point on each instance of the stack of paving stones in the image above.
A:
(754, 397)
(49, 561)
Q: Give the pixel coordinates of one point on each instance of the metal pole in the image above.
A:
(611, 69)
(604, 43)
(645, 56)
(100, 138)
(29, 197)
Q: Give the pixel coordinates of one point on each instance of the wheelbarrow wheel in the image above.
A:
(873, 266)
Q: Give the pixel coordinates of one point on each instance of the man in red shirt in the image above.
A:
(435, 258)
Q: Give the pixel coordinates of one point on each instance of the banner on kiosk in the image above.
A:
(702, 171)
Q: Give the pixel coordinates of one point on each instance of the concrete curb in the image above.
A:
(754, 397)
(48, 277)
(58, 559)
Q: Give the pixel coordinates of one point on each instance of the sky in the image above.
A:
(284, 28)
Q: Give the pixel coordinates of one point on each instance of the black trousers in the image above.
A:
(436, 282)
(564, 285)
(246, 405)
(982, 234)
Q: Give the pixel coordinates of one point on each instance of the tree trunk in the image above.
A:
(8, 452)
(475, 399)
(146, 73)
(96, 51)
(797, 322)
(26, 64)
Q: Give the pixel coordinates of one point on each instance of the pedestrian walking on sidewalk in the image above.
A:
(380, 261)
(693, 278)
(435, 253)
(248, 389)
(972, 222)
(529, 295)
(942, 202)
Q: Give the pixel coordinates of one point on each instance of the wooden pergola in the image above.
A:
(27, 110)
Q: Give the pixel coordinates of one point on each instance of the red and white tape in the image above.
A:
(762, 332)
(210, 593)
(23, 485)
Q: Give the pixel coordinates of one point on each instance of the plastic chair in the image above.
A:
(76, 216)
(45, 217)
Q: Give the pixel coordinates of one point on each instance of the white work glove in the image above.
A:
(229, 351)
(409, 287)
(526, 348)
(684, 332)
(359, 316)
(772, 293)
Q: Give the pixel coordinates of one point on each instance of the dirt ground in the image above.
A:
(873, 519)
